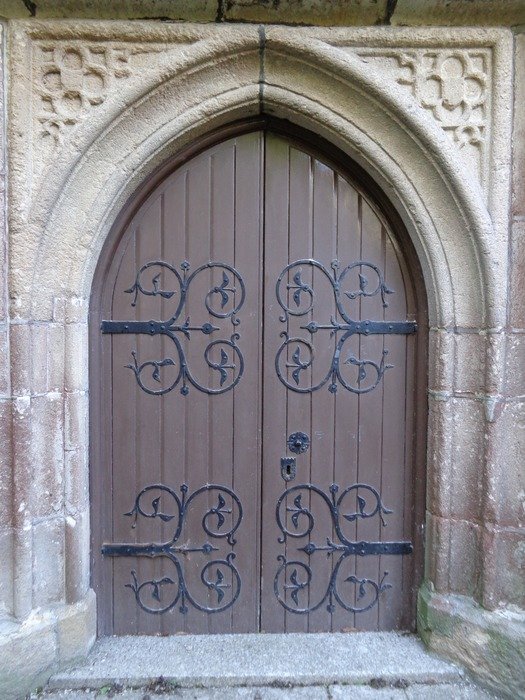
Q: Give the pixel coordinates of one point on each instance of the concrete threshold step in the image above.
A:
(375, 659)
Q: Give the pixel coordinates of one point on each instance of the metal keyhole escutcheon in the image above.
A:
(298, 443)
(288, 468)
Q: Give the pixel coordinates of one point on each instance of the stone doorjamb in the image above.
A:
(94, 108)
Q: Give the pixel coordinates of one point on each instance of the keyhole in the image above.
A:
(288, 470)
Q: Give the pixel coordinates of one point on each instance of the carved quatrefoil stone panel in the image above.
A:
(74, 78)
(453, 85)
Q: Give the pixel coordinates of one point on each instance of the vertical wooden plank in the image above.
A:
(275, 395)
(346, 403)
(198, 436)
(174, 458)
(124, 415)
(298, 406)
(370, 407)
(221, 408)
(322, 400)
(394, 462)
(249, 181)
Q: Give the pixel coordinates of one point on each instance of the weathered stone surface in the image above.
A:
(455, 456)
(441, 360)
(20, 356)
(32, 650)
(260, 659)
(467, 468)
(28, 656)
(76, 480)
(515, 365)
(6, 482)
(77, 539)
(490, 645)
(3, 201)
(434, 691)
(196, 10)
(518, 152)
(76, 375)
(455, 561)
(469, 361)
(76, 420)
(6, 571)
(76, 630)
(324, 12)
(47, 355)
(47, 454)
(336, 12)
(459, 12)
(517, 274)
(504, 566)
(459, 105)
(504, 502)
(48, 562)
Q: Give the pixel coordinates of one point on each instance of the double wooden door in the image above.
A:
(254, 371)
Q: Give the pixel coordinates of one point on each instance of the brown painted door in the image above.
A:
(254, 411)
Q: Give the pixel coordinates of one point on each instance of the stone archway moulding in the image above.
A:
(101, 107)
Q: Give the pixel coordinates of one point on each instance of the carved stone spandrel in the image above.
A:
(72, 78)
(453, 85)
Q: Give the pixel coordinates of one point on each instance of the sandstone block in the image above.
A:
(454, 562)
(48, 561)
(441, 360)
(439, 453)
(515, 365)
(76, 410)
(76, 478)
(5, 370)
(6, 466)
(455, 456)
(469, 361)
(6, 571)
(76, 629)
(336, 12)
(518, 137)
(20, 357)
(491, 645)
(28, 655)
(47, 454)
(505, 492)
(517, 272)
(467, 467)
(76, 372)
(504, 566)
(77, 568)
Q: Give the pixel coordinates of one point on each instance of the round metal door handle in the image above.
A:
(298, 442)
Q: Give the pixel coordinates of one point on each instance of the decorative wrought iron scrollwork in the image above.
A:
(218, 576)
(223, 301)
(293, 578)
(296, 355)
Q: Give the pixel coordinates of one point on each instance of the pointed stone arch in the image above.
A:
(212, 77)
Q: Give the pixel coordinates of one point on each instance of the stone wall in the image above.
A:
(93, 108)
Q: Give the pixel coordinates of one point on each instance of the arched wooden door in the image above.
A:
(254, 389)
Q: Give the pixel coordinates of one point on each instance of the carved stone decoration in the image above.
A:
(73, 78)
(453, 85)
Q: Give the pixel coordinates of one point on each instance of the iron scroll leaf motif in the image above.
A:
(296, 520)
(224, 300)
(296, 355)
(219, 577)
